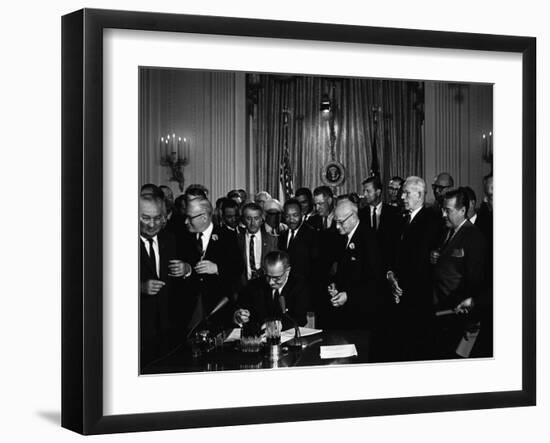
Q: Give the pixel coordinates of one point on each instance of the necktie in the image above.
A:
(152, 257)
(407, 219)
(251, 258)
(290, 238)
(282, 302)
(448, 239)
(199, 244)
(373, 221)
(325, 225)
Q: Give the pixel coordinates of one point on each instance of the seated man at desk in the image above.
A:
(277, 294)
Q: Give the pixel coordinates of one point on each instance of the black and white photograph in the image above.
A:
(318, 236)
(290, 220)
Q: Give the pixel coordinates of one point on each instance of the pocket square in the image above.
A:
(457, 253)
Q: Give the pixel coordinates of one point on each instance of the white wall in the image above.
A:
(456, 117)
(30, 169)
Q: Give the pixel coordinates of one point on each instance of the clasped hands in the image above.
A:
(337, 298)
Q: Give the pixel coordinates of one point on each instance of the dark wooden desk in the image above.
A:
(229, 358)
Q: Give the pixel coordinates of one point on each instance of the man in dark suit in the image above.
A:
(299, 240)
(485, 213)
(484, 343)
(394, 192)
(383, 219)
(458, 276)
(409, 275)
(159, 268)
(442, 183)
(254, 244)
(230, 216)
(324, 208)
(215, 259)
(305, 197)
(278, 294)
(353, 295)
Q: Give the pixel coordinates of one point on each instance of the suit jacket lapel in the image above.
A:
(264, 244)
(211, 246)
(455, 239)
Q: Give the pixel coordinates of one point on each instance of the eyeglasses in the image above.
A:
(341, 222)
(148, 219)
(439, 187)
(189, 217)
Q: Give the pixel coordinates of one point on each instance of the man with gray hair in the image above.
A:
(353, 295)
(261, 197)
(160, 268)
(409, 276)
(215, 260)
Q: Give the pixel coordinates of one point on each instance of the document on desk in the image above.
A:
(234, 335)
(338, 351)
(304, 332)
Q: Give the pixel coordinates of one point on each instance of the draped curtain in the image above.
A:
(399, 129)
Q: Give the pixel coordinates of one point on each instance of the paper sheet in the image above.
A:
(235, 334)
(304, 332)
(338, 351)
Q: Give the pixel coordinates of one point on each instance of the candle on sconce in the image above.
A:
(161, 146)
(166, 149)
(181, 149)
(186, 148)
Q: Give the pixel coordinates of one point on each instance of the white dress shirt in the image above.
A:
(350, 235)
(378, 209)
(155, 249)
(257, 252)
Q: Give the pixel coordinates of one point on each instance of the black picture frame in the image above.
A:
(82, 189)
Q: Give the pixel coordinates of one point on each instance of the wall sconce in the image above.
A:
(487, 147)
(174, 153)
(326, 106)
(328, 111)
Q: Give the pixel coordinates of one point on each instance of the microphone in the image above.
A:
(223, 301)
(297, 336)
(220, 305)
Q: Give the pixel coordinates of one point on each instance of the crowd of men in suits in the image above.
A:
(417, 277)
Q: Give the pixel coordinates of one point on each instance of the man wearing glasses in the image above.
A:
(441, 184)
(353, 296)
(279, 294)
(215, 260)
